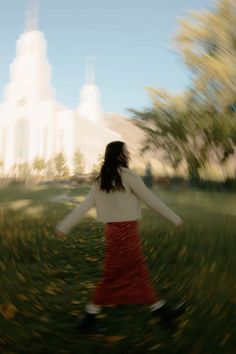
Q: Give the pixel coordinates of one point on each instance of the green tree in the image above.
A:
(207, 42)
(200, 123)
(170, 130)
(50, 170)
(60, 165)
(97, 166)
(78, 162)
(23, 170)
(39, 164)
(186, 135)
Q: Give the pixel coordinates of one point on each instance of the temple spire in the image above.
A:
(32, 12)
(90, 71)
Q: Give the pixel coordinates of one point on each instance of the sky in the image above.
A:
(130, 39)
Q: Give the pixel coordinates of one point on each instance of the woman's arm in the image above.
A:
(138, 187)
(77, 214)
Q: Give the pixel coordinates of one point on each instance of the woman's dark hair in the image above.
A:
(114, 159)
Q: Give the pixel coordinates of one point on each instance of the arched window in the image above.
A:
(21, 139)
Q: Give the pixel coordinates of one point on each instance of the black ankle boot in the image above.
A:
(89, 323)
(168, 314)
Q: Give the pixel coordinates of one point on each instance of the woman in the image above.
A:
(116, 194)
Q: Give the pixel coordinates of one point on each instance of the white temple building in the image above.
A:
(90, 106)
(33, 123)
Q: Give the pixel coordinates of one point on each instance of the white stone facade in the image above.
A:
(32, 122)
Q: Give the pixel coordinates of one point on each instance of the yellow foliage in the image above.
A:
(212, 267)
(21, 277)
(75, 302)
(225, 339)
(75, 312)
(36, 334)
(52, 289)
(114, 339)
(101, 315)
(27, 313)
(39, 307)
(22, 297)
(2, 266)
(8, 311)
(44, 318)
(91, 259)
(184, 323)
(90, 286)
(155, 347)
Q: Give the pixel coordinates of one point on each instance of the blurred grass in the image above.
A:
(45, 282)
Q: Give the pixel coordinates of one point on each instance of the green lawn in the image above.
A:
(45, 282)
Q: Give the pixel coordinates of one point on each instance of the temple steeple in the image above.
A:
(90, 106)
(90, 71)
(30, 71)
(32, 14)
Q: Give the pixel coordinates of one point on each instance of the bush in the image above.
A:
(166, 181)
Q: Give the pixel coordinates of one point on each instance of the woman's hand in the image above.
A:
(59, 234)
(180, 224)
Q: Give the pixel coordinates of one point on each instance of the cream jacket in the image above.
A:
(118, 205)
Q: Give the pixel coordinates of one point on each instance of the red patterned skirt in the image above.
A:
(125, 278)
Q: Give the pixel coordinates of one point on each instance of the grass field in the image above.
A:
(45, 282)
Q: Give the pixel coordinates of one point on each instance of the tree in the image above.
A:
(39, 164)
(200, 123)
(169, 129)
(207, 42)
(60, 165)
(78, 161)
(186, 135)
(23, 170)
(50, 170)
(97, 167)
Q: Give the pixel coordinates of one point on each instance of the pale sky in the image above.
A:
(129, 38)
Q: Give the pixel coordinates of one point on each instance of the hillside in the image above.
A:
(134, 138)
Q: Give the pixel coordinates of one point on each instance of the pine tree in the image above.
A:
(23, 170)
(97, 167)
(39, 164)
(78, 163)
(50, 170)
(60, 165)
